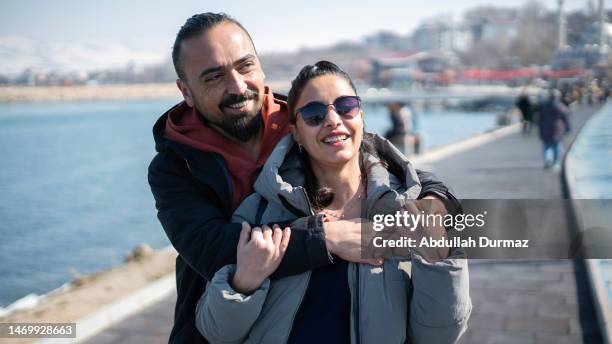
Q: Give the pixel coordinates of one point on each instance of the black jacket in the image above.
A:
(193, 193)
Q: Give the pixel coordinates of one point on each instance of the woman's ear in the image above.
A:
(294, 132)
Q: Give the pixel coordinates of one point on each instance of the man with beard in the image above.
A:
(211, 148)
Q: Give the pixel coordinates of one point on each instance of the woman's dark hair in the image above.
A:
(321, 197)
(308, 73)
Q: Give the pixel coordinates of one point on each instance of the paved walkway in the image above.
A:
(514, 302)
(521, 302)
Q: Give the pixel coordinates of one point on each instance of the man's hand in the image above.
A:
(432, 205)
(260, 251)
(343, 239)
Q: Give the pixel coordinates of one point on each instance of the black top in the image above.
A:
(324, 315)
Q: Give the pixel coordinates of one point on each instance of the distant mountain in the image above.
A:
(18, 53)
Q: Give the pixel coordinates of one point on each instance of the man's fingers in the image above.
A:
(414, 207)
(374, 261)
(285, 241)
(267, 233)
(256, 234)
(277, 236)
(435, 205)
(245, 234)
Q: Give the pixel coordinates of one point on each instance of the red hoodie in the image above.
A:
(184, 126)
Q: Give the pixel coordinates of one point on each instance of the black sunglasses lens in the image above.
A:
(314, 113)
(347, 106)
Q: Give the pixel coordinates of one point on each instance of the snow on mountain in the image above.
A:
(18, 53)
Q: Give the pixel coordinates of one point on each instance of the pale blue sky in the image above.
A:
(145, 29)
(274, 23)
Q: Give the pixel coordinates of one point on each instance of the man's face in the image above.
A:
(224, 79)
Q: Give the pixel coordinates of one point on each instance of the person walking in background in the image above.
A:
(524, 105)
(554, 124)
(397, 133)
(404, 128)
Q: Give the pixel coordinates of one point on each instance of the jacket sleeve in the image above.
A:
(225, 316)
(441, 303)
(430, 184)
(200, 231)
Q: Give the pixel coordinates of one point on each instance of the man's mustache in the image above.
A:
(237, 98)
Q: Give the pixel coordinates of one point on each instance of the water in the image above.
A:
(437, 128)
(73, 180)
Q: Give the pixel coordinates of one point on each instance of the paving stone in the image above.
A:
(538, 325)
(559, 311)
(488, 322)
(547, 338)
(503, 308)
(536, 297)
(498, 337)
(106, 337)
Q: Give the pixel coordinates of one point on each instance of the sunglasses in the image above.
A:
(314, 113)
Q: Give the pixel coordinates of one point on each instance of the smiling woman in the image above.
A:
(327, 120)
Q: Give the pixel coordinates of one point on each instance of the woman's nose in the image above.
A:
(332, 119)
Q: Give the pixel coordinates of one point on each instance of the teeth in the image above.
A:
(238, 105)
(333, 139)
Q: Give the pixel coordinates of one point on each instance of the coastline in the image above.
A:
(85, 296)
(13, 94)
(153, 91)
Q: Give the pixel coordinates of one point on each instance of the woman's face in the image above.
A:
(336, 140)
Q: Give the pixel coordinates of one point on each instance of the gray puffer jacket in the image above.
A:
(402, 301)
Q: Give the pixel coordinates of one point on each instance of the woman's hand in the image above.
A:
(260, 251)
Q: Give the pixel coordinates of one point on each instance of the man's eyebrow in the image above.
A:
(219, 68)
(210, 70)
(244, 59)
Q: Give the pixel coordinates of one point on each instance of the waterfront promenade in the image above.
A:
(521, 302)
(514, 302)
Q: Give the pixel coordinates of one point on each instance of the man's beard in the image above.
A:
(241, 127)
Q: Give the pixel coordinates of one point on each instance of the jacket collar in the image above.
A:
(281, 179)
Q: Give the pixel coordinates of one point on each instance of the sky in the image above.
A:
(75, 32)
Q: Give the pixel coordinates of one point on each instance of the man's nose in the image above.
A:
(236, 84)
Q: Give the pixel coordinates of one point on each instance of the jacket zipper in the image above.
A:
(188, 166)
(310, 210)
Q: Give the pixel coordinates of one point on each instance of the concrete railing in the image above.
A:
(587, 175)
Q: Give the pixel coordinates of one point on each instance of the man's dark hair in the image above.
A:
(196, 25)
